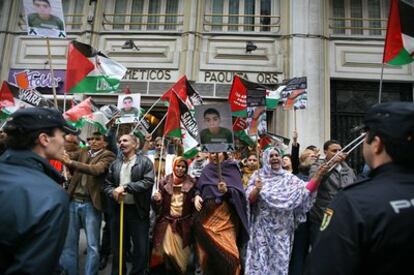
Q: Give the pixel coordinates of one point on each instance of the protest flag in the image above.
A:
(399, 40)
(86, 112)
(13, 98)
(90, 71)
(294, 88)
(239, 129)
(185, 92)
(180, 123)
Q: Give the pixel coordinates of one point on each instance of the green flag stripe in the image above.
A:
(175, 133)
(402, 58)
(190, 153)
(96, 84)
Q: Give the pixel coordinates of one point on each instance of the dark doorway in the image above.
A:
(350, 100)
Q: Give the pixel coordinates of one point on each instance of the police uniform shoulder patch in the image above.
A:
(327, 215)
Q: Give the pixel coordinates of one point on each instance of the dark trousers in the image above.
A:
(105, 249)
(314, 229)
(136, 230)
(300, 249)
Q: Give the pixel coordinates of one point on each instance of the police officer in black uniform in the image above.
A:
(369, 226)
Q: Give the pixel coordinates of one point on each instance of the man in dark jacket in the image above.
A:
(34, 208)
(368, 228)
(130, 179)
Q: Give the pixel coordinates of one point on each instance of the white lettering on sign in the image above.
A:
(147, 74)
(227, 77)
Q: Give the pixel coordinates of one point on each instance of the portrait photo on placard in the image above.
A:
(129, 105)
(215, 127)
(256, 113)
(45, 18)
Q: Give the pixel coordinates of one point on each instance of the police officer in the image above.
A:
(33, 207)
(369, 226)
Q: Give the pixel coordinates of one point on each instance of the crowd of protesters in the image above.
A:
(217, 213)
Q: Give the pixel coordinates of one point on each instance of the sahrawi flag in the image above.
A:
(86, 112)
(399, 41)
(181, 123)
(185, 91)
(90, 71)
(13, 98)
(238, 95)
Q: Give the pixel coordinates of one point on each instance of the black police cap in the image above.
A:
(29, 119)
(393, 119)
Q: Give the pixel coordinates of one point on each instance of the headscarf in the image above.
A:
(281, 189)
(178, 180)
(267, 168)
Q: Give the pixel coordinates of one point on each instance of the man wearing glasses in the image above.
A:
(89, 171)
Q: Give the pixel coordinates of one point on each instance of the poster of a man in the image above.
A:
(44, 18)
(129, 106)
(216, 133)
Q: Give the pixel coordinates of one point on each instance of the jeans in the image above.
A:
(82, 214)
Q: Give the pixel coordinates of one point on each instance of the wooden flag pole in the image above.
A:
(52, 75)
(220, 176)
(294, 119)
(157, 184)
(121, 234)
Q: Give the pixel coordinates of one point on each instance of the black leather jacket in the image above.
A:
(142, 180)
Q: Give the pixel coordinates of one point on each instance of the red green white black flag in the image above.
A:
(399, 41)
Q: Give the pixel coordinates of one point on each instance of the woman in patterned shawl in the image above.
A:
(221, 224)
(278, 202)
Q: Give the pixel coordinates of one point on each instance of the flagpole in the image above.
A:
(157, 184)
(159, 123)
(294, 118)
(121, 234)
(147, 112)
(52, 75)
(380, 85)
(64, 102)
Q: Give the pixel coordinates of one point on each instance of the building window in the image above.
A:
(145, 15)
(74, 14)
(242, 16)
(359, 17)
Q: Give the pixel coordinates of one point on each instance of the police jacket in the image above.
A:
(34, 214)
(369, 227)
(142, 180)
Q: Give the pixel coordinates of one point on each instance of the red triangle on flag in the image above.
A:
(6, 94)
(85, 108)
(172, 122)
(180, 88)
(77, 68)
(393, 39)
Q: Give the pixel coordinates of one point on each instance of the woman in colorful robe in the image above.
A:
(220, 224)
(278, 203)
(173, 230)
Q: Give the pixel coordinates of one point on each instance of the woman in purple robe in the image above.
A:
(221, 221)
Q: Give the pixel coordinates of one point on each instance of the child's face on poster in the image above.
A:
(212, 120)
(42, 8)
